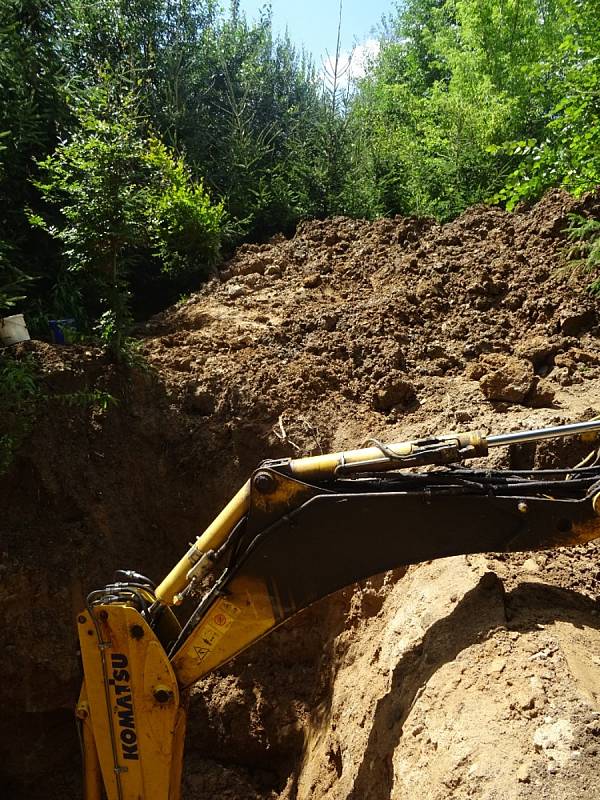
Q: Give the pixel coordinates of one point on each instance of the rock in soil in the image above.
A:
(506, 378)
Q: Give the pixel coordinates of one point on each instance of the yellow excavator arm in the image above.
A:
(297, 531)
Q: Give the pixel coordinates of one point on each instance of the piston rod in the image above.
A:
(519, 437)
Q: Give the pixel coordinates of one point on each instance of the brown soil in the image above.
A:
(469, 677)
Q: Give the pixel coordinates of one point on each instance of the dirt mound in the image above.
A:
(397, 688)
(375, 316)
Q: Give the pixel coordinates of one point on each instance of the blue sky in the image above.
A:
(313, 23)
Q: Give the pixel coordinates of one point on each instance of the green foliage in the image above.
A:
(18, 382)
(240, 106)
(13, 283)
(477, 98)
(183, 225)
(119, 121)
(429, 115)
(19, 392)
(582, 254)
(94, 398)
(33, 110)
(124, 199)
(567, 151)
(430, 153)
(98, 178)
(259, 114)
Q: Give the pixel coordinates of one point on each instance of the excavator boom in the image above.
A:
(297, 531)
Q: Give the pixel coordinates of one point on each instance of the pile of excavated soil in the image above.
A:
(467, 677)
(381, 317)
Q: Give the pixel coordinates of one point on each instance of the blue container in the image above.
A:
(60, 329)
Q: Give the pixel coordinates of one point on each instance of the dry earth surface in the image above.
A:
(467, 677)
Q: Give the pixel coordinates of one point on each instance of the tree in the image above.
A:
(566, 152)
(455, 81)
(33, 111)
(124, 199)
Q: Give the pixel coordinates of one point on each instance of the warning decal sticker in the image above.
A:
(214, 627)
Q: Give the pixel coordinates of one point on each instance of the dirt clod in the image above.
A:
(506, 378)
(393, 391)
(312, 281)
(542, 394)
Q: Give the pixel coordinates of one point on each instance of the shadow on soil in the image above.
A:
(482, 610)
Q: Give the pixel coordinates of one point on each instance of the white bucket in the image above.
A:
(13, 330)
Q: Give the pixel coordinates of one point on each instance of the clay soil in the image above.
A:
(466, 677)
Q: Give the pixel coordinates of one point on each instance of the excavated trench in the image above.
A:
(475, 676)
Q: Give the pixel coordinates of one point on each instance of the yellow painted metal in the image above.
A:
(231, 625)
(306, 469)
(583, 532)
(137, 734)
(92, 777)
(177, 752)
(133, 742)
(324, 466)
(212, 538)
(283, 496)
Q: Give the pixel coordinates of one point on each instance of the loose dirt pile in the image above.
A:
(469, 677)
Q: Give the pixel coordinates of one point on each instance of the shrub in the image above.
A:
(583, 250)
(125, 200)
